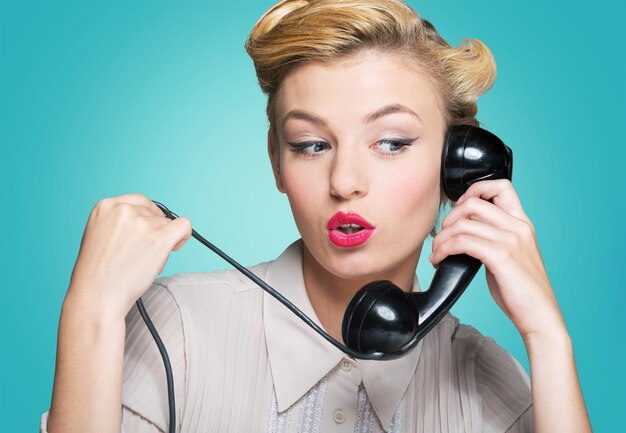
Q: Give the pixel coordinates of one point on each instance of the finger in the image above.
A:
(470, 227)
(500, 192)
(138, 199)
(156, 221)
(482, 249)
(126, 211)
(176, 233)
(480, 210)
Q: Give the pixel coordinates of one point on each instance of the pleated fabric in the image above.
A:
(212, 326)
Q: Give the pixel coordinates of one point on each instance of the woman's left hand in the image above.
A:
(501, 236)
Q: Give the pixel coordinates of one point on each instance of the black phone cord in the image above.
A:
(166, 360)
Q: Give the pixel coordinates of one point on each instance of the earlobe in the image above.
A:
(273, 152)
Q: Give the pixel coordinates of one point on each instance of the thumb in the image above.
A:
(177, 232)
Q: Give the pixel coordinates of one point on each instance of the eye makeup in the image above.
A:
(310, 147)
(400, 145)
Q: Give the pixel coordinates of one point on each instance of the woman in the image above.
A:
(360, 95)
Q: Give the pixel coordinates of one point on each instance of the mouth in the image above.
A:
(348, 229)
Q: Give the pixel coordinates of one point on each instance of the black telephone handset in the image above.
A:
(382, 321)
(381, 317)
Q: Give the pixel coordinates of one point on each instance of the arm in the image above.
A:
(126, 244)
(88, 379)
(143, 384)
(502, 237)
(557, 397)
(132, 422)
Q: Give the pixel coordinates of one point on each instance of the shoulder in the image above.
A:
(198, 301)
(231, 279)
(186, 309)
(499, 380)
(480, 386)
(173, 301)
(492, 363)
(470, 346)
(193, 290)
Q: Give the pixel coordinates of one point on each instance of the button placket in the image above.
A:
(342, 399)
(345, 365)
(339, 416)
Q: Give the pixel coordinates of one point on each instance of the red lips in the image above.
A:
(341, 218)
(341, 238)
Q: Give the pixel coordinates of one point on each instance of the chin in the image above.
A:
(358, 265)
(354, 275)
(373, 260)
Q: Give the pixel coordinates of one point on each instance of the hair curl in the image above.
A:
(295, 31)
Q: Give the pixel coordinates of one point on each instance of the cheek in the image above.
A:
(416, 194)
(301, 192)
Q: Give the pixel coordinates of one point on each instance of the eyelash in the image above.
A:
(301, 147)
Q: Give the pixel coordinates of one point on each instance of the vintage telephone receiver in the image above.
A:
(382, 321)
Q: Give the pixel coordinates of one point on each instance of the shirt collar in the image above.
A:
(299, 357)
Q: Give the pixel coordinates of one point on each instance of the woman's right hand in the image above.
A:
(125, 246)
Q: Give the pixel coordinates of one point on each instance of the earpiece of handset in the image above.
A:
(381, 317)
(471, 154)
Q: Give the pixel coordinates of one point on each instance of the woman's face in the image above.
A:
(362, 135)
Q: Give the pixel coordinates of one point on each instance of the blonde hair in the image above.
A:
(295, 31)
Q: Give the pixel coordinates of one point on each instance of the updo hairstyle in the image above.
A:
(296, 31)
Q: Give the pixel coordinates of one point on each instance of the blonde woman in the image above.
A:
(360, 96)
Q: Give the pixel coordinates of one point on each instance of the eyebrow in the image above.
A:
(304, 115)
(384, 111)
(390, 109)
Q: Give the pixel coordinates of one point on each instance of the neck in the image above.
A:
(329, 294)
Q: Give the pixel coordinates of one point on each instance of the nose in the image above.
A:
(348, 177)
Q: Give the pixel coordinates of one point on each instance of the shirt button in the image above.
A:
(339, 416)
(346, 365)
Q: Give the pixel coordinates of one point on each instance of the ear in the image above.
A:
(274, 152)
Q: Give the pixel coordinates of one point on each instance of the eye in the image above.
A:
(308, 147)
(394, 146)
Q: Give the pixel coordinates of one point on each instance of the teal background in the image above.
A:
(104, 98)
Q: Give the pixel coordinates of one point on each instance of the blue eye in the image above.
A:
(308, 147)
(394, 146)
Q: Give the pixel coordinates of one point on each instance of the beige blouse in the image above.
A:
(242, 362)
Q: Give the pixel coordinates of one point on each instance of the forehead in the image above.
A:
(352, 87)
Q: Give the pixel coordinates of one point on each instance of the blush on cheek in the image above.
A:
(301, 200)
(420, 193)
(296, 187)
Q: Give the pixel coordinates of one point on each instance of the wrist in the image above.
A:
(88, 305)
(553, 340)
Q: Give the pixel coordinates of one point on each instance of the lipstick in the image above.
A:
(348, 229)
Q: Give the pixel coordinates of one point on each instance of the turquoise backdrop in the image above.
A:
(102, 98)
